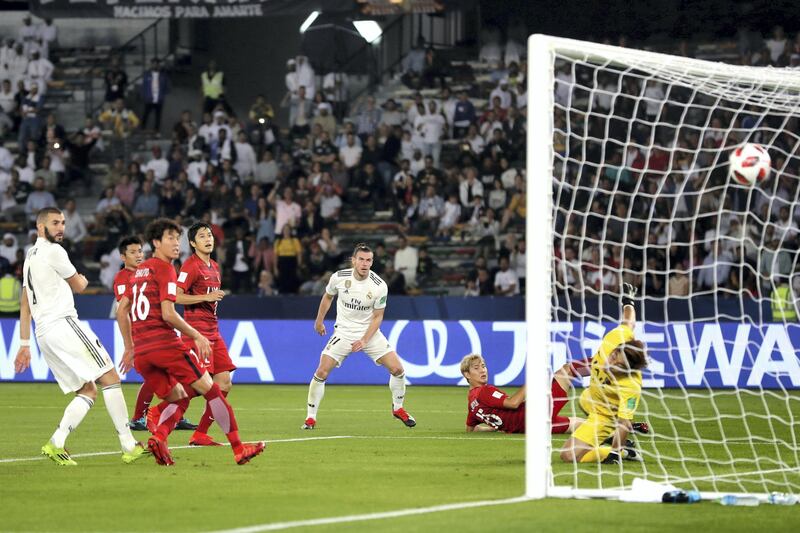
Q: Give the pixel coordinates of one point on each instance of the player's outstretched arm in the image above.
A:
(124, 322)
(374, 325)
(23, 359)
(515, 400)
(628, 310)
(624, 427)
(171, 317)
(324, 306)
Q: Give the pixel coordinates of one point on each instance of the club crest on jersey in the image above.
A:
(369, 296)
(347, 284)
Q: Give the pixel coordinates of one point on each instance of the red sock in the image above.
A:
(557, 423)
(223, 416)
(143, 399)
(208, 416)
(171, 414)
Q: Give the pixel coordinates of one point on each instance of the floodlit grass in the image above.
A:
(377, 465)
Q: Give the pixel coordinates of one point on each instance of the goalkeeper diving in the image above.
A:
(613, 395)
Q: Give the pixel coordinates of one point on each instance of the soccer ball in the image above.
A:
(749, 163)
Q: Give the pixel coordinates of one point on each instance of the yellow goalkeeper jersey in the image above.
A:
(611, 395)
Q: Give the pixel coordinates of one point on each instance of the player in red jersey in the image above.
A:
(130, 248)
(175, 373)
(199, 292)
(490, 409)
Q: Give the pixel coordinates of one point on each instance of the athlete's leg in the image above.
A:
(316, 388)
(117, 410)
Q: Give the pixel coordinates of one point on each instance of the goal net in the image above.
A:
(628, 183)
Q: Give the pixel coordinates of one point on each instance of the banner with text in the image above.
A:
(155, 9)
(287, 351)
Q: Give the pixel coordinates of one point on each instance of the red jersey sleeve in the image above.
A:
(187, 276)
(492, 397)
(472, 420)
(121, 285)
(167, 283)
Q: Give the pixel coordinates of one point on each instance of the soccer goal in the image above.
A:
(628, 182)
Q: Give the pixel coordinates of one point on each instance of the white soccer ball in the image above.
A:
(749, 164)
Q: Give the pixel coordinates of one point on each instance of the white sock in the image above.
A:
(397, 384)
(316, 390)
(73, 415)
(118, 411)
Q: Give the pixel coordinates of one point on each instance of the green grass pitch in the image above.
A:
(378, 465)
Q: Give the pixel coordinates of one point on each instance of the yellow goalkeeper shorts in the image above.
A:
(595, 430)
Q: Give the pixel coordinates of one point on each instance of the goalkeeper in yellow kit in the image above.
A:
(613, 395)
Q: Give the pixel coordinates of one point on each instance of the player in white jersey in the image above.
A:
(72, 351)
(359, 313)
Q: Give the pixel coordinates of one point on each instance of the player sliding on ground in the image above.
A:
(175, 372)
(612, 397)
(490, 409)
(359, 313)
(72, 351)
(199, 292)
(130, 249)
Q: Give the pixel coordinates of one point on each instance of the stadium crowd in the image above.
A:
(444, 162)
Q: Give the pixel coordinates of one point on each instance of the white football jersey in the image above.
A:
(44, 274)
(357, 299)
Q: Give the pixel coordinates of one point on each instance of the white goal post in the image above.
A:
(761, 454)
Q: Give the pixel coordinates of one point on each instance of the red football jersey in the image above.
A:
(153, 282)
(486, 406)
(121, 283)
(195, 278)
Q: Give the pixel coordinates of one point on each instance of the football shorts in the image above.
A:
(162, 370)
(339, 346)
(74, 354)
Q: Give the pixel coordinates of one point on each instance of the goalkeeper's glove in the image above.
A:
(628, 294)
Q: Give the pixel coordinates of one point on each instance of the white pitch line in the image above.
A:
(97, 454)
(278, 441)
(275, 526)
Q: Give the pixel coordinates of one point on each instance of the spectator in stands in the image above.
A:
(266, 284)
(516, 211)
(306, 76)
(463, 116)
(238, 262)
(245, 165)
(406, 260)
(78, 166)
(40, 71)
(431, 208)
(289, 254)
(350, 154)
(120, 119)
(26, 35)
(266, 172)
(38, 199)
(158, 164)
(212, 83)
(395, 281)
(325, 119)
(392, 115)
(30, 126)
(287, 211)
(505, 281)
(155, 86)
(469, 187)
(432, 126)
(9, 247)
(435, 68)
(371, 186)
(299, 112)
(17, 66)
(47, 35)
(75, 230)
(147, 204)
(414, 64)
(368, 119)
(116, 81)
(262, 255)
(109, 266)
(125, 191)
(777, 46)
(330, 205)
(8, 107)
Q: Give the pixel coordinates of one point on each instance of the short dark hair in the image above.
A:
(127, 241)
(194, 228)
(41, 216)
(155, 230)
(635, 354)
(362, 247)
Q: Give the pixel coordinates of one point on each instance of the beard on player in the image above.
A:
(57, 237)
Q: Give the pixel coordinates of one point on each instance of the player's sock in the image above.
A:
(208, 417)
(224, 417)
(397, 384)
(118, 411)
(170, 416)
(596, 455)
(143, 399)
(316, 390)
(73, 415)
